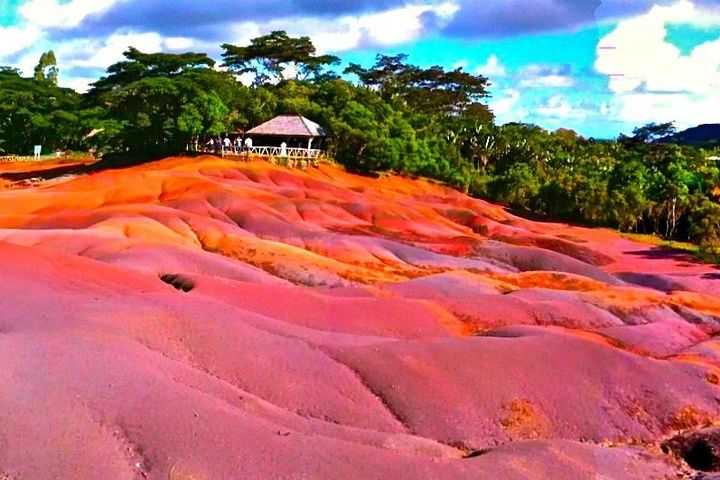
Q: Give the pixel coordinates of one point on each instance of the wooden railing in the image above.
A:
(23, 158)
(292, 153)
(288, 156)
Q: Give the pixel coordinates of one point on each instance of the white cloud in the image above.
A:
(79, 84)
(507, 107)
(16, 39)
(101, 54)
(545, 76)
(53, 14)
(39, 17)
(179, 43)
(653, 80)
(397, 25)
(548, 81)
(605, 109)
(558, 106)
(97, 54)
(241, 33)
(391, 27)
(638, 55)
(686, 110)
(493, 68)
(291, 71)
(337, 38)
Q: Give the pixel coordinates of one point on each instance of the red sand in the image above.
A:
(339, 327)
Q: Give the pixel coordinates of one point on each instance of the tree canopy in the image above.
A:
(47, 68)
(390, 116)
(428, 90)
(269, 57)
(650, 133)
(139, 65)
(37, 112)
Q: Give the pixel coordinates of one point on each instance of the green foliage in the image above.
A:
(705, 229)
(47, 68)
(518, 186)
(638, 186)
(268, 57)
(398, 117)
(37, 112)
(627, 199)
(429, 91)
(653, 132)
(157, 103)
(162, 114)
(139, 65)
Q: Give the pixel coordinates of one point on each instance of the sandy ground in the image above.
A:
(209, 319)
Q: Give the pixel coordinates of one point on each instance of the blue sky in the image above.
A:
(599, 67)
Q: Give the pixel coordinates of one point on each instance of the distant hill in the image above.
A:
(708, 134)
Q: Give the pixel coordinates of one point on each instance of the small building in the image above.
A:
(291, 132)
(290, 139)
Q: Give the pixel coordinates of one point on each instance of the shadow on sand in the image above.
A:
(107, 163)
(668, 253)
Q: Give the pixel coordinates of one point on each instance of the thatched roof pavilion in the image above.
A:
(286, 136)
(292, 130)
(290, 126)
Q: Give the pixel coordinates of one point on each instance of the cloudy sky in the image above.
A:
(600, 67)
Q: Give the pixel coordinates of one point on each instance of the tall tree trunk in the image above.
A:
(674, 217)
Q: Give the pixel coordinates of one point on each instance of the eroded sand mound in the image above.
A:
(206, 319)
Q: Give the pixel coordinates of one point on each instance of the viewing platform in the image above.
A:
(292, 157)
(284, 140)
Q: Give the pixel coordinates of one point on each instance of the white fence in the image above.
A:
(292, 153)
(289, 156)
(23, 158)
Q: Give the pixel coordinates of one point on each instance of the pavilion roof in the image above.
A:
(289, 126)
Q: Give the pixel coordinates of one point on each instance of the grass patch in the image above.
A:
(662, 243)
(703, 254)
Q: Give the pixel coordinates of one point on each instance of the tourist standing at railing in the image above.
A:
(248, 147)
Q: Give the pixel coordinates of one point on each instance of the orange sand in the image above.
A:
(336, 326)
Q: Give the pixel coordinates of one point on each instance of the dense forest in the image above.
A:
(393, 116)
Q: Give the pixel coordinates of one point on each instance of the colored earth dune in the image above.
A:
(199, 318)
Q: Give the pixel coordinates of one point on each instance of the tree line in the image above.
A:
(392, 116)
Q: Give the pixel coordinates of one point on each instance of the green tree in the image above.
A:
(517, 186)
(269, 57)
(652, 132)
(426, 90)
(705, 228)
(160, 102)
(138, 65)
(47, 68)
(37, 112)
